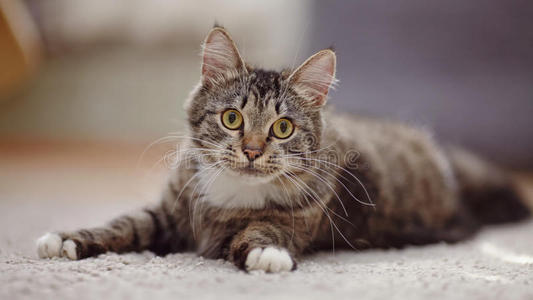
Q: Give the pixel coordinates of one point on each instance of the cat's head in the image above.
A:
(256, 123)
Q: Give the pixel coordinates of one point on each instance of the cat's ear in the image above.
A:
(315, 76)
(220, 57)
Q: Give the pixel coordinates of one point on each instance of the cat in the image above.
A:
(268, 174)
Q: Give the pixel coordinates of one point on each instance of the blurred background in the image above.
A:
(85, 86)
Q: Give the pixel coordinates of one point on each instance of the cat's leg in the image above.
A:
(152, 229)
(267, 246)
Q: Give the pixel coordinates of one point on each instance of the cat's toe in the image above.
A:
(49, 245)
(269, 259)
(69, 250)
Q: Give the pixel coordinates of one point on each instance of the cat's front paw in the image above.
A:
(269, 259)
(52, 245)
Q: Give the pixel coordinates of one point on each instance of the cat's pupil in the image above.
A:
(283, 126)
(232, 117)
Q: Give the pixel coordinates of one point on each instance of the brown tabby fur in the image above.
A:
(399, 187)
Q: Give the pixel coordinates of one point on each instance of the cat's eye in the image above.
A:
(232, 119)
(282, 128)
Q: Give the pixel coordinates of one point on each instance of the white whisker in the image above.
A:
(324, 208)
(316, 175)
(345, 170)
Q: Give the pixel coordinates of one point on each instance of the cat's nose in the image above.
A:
(252, 154)
(253, 147)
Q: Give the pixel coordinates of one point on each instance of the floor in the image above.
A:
(49, 185)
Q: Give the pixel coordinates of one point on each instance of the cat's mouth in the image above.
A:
(252, 174)
(250, 169)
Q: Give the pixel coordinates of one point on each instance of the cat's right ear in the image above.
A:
(220, 57)
(314, 78)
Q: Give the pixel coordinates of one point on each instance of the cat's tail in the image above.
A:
(489, 194)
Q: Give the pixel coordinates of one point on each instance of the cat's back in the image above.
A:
(376, 132)
(404, 166)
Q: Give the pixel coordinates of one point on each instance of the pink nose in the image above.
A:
(252, 154)
(253, 146)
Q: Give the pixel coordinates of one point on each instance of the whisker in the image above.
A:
(340, 182)
(157, 141)
(299, 154)
(190, 180)
(347, 171)
(198, 199)
(288, 200)
(327, 214)
(300, 188)
(171, 137)
(316, 195)
(324, 181)
(192, 155)
(217, 145)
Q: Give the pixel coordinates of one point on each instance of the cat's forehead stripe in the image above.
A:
(264, 83)
(244, 101)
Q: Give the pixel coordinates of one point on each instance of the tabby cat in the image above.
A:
(267, 175)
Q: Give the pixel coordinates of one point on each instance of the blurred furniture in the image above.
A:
(19, 46)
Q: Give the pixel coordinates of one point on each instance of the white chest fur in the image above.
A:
(233, 191)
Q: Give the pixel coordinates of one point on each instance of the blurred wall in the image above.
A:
(464, 68)
(120, 70)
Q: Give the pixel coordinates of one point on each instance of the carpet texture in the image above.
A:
(498, 264)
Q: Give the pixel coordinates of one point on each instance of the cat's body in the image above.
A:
(266, 176)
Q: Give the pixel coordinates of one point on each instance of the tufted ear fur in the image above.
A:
(220, 57)
(315, 76)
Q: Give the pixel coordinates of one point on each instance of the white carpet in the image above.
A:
(497, 264)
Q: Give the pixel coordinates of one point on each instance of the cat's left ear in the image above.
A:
(220, 58)
(315, 76)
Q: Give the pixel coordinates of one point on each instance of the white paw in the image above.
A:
(269, 259)
(51, 245)
(69, 250)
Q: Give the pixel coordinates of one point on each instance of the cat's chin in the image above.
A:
(252, 176)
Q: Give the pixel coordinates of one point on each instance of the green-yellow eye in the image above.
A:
(282, 128)
(232, 119)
